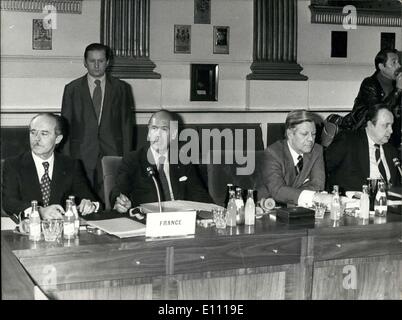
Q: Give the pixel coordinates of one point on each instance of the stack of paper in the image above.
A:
(7, 224)
(120, 227)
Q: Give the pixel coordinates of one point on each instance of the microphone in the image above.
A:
(151, 173)
(267, 204)
(397, 164)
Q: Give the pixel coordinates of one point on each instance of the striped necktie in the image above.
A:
(299, 165)
(378, 160)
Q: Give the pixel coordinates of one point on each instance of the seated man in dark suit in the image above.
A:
(176, 181)
(292, 170)
(45, 175)
(355, 156)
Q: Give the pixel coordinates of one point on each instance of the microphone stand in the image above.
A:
(151, 173)
(397, 164)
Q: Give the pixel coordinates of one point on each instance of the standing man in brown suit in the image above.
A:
(98, 109)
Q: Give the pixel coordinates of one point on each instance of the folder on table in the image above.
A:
(120, 227)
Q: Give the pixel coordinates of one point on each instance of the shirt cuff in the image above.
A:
(27, 211)
(97, 205)
(306, 198)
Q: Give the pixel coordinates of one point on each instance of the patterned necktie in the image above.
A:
(379, 162)
(45, 185)
(97, 98)
(299, 165)
(163, 180)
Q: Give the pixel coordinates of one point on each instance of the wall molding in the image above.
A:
(32, 58)
(34, 110)
(62, 6)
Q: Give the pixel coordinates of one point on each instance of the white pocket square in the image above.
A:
(307, 180)
(183, 178)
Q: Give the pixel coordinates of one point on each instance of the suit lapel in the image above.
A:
(30, 177)
(144, 160)
(86, 96)
(144, 164)
(363, 152)
(390, 163)
(107, 101)
(58, 179)
(307, 163)
(174, 171)
(290, 173)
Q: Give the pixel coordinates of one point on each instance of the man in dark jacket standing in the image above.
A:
(384, 86)
(98, 109)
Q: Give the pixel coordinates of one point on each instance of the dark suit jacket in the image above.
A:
(21, 183)
(133, 181)
(114, 135)
(371, 93)
(277, 176)
(348, 164)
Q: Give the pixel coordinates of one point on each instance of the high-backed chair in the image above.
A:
(3, 213)
(219, 175)
(110, 165)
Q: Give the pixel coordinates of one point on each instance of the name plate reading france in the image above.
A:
(170, 224)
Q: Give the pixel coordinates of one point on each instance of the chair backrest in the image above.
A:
(275, 132)
(219, 175)
(3, 213)
(110, 165)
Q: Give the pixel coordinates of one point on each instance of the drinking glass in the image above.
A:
(219, 215)
(319, 209)
(52, 229)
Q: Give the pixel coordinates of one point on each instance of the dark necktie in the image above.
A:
(97, 98)
(163, 180)
(299, 165)
(45, 185)
(379, 162)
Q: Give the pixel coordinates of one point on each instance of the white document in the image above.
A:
(7, 223)
(120, 227)
(178, 205)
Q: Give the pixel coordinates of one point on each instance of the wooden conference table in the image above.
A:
(272, 260)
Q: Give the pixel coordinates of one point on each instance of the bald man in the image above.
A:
(176, 181)
(45, 175)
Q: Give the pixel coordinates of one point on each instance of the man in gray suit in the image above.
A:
(98, 109)
(292, 170)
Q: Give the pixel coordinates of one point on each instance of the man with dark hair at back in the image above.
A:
(292, 171)
(176, 181)
(355, 156)
(44, 175)
(384, 86)
(98, 109)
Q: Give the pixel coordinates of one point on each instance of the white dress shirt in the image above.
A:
(40, 170)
